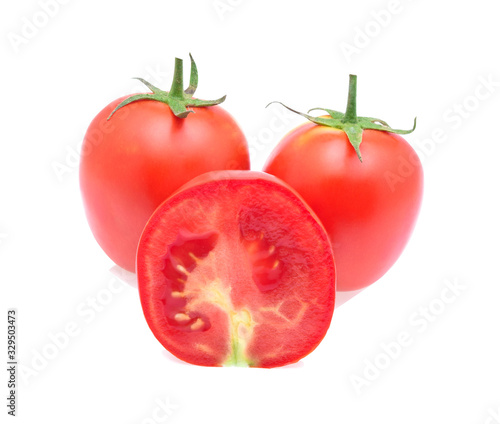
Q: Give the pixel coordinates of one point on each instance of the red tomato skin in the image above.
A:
(369, 208)
(135, 160)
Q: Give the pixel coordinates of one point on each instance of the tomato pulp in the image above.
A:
(235, 269)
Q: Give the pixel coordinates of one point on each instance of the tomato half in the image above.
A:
(134, 161)
(368, 208)
(235, 269)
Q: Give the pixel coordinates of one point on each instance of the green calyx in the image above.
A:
(177, 98)
(349, 122)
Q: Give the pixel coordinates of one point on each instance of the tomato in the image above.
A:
(133, 160)
(235, 269)
(368, 208)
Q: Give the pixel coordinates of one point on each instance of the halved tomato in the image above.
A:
(235, 269)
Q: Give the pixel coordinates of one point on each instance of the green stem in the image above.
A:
(177, 99)
(177, 89)
(349, 122)
(350, 112)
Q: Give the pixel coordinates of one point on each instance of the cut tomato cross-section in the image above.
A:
(235, 269)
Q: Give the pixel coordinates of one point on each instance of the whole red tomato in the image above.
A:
(150, 146)
(367, 195)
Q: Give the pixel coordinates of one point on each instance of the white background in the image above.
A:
(428, 59)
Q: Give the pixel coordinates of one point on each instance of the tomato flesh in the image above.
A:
(235, 269)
